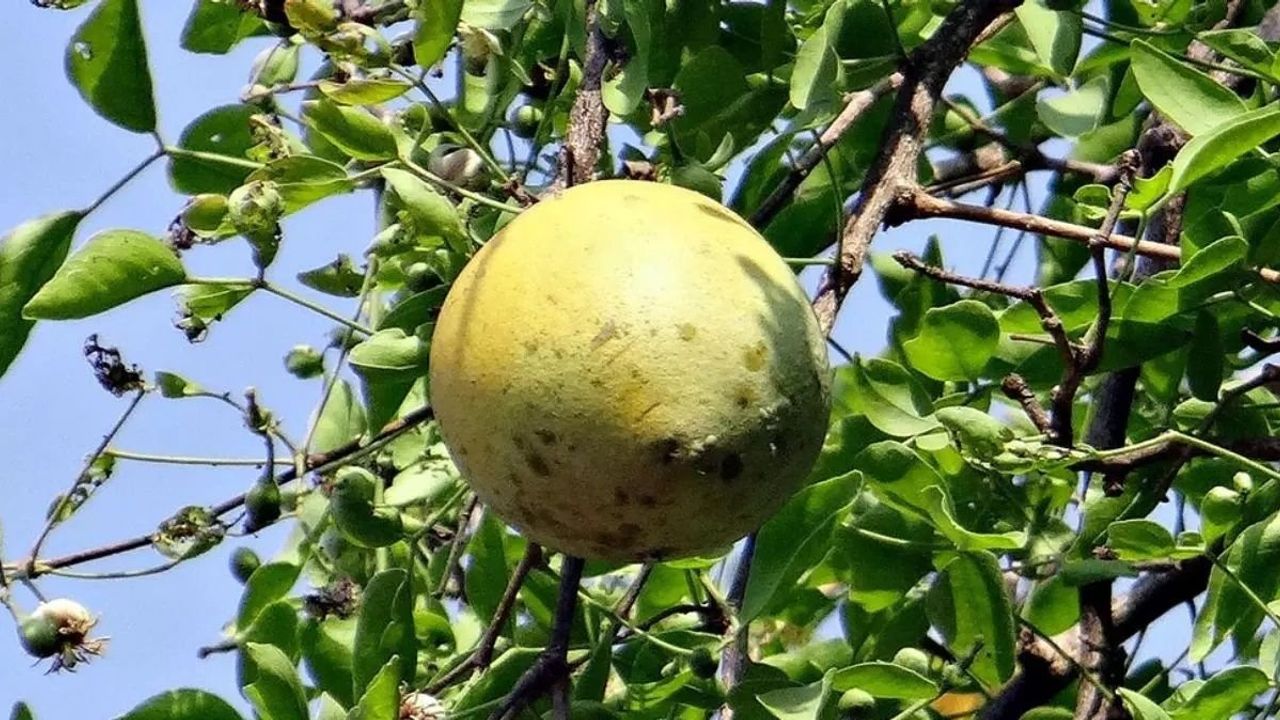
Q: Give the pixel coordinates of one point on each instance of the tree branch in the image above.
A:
(925, 74)
(552, 666)
(581, 149)
(314, 462)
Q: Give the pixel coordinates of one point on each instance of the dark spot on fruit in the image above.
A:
(552, 299)
(538, 464)
(462, 449)
(519, 441)
(778, 446)
(558, 353)
(659, 553)
(687, 331)
(648, 501)
(621, 497)
(743, 400)
(546, 436)
(753, 357)
(731, 467)
(597, 382)
(608, 331)
(628, 531)
(668, 450)
(530, 346)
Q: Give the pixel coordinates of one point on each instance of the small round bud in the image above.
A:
(304, 362)
(243, 562)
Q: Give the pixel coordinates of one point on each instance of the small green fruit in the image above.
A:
(419, 277)
(526, 121)
(912, 659)
(703, 664)
(262, 506)
(856, 703)
(39, 636)
(304, 362)
(243, 562)
(356, 516)
(1243, 482)
(1221, 506)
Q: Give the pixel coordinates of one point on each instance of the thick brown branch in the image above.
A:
(581, 150)
(1015, 387)
(925, 74)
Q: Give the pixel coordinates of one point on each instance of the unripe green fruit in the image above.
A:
(1243, 482)
(205, 213)
(419, 276)
(1221, 506)
(304, 362)
(243, 563)
(912, 659)
(39, 636)
(526, 121)
(702, 663)
(856, 703)
(262, 506)
(357, 517)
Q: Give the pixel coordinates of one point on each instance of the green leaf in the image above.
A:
(794, 539)
(1205, 357)
(498, 680)
(303, 179)
(1223, 695)
(885, 680)
(623, 93)
(495, 14)
(173, 385)
(216, 26)
(363, 91)
(486, 576)
(1139, 539)
(326, 651)
(1211, 262)
(1243, 46)
(381, 701)
(21, 711)
(1194, 101)
(354, 131)
(1228, 610)
(1055, 35)
(982, 614)
(1142, 707)
(339, 278)
(1076, 112)
(384, 629)
(890, 398)
(184, 704)
(107, 62)
(426, 211)
(275, 690)
(437, 24)
(113, 267)
(976, 433)
(269, 583)
(391, 355)
(807, 702)
(955, 342)
(901, 477)
(29, 257)
(341, 419)
(817, 67)
(1223, 144)
(223, 131)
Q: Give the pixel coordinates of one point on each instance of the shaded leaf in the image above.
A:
(885, 680)
(29, 257)
(955, 342)
(275, 689)
(794, 539)
(225, 131)
(354, 131)
(384, 630)
(184, 704)
(437, 24)
(216, 26)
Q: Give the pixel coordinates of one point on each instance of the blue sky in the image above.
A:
(56, 154)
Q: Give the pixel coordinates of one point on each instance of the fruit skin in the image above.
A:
(629, 371)
(912, 659)
(243, 562)
(39, 636)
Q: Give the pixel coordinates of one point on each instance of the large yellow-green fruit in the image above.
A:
(628, 371)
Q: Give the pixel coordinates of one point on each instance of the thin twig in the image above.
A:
(856, 104)
(1015, 387)
(480, 658)
(54, 516)
(733, 662)
(455, 545)
(35, 568)
(915, 203)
